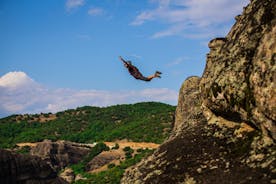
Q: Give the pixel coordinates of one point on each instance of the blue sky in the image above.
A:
(64, 54)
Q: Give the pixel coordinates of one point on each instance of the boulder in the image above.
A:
(68, 175)
(19, 168)
(61, 153)
(188, 108)
(102, 159)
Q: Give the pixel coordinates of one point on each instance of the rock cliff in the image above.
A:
(61, 153)
(225, 121)
(239, 78)
(17, 168)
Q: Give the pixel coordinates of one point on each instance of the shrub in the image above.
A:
(116, 146)
(128, 155)
(111, 166)
(24, 150)
(126, 149)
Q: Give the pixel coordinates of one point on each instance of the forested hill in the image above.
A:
(141, 122)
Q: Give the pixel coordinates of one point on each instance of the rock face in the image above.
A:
(188, 108)
(17, 168)
(225, 121)
(239, 78)
(61, 153)
(68, 175)
(102, 159)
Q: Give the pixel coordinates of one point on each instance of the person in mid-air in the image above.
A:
(136, 73)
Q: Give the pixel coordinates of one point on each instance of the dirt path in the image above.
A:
(133, 145)
(122, 144)
(30, 144)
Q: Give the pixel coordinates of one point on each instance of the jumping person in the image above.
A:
(136, 73)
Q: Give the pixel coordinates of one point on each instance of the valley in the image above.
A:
(90, 144)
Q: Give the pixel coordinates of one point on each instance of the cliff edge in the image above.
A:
(225, 121)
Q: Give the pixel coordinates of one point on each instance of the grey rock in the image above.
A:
(17, 168)
(239, 79)
(68, 175)
(61, 153)
(224, 128)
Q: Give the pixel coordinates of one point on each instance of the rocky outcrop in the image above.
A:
(239, 79)
(104, 158)
(209, 149)
(17, 168)
(188, 108)
(68, 175)
(225, 121)
(61, 153)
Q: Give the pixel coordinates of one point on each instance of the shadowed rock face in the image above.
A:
(205, 149)
(225, 121)
(17, 168)
(61, 153)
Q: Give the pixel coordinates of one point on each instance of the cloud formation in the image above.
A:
(71, 4)
(183, 16)
(21, 94)
(177, 61)
(95, 11)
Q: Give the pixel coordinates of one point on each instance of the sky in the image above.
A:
(61, 54)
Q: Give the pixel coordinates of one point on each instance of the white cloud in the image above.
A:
(173, 30)
(15, 79)
(21, 94)
(177, 61)
(141, 18)
(95, 11)
(183, 16)
(71, 4)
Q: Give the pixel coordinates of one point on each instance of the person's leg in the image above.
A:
(157, 74)
(150, 77)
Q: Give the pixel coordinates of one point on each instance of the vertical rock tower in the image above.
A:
(225, 129)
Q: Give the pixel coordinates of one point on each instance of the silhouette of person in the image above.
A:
(136, 73)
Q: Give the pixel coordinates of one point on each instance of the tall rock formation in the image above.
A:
(188, 111)
(239, 78)
(61, 153)
(17, 168)
(225, 121)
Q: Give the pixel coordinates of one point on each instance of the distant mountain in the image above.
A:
(141, 122)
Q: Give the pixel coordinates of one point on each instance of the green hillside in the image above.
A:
(141, 122)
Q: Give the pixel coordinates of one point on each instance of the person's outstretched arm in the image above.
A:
(120, 57)
(126, 63)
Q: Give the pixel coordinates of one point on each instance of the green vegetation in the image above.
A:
(24, 150)
(80, 167)
(116, 146)
(147, 122)
(111, 166)
(114, 174)
(141, 122)
(128, 152)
